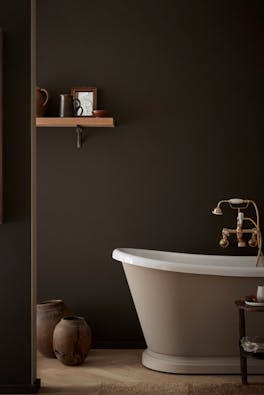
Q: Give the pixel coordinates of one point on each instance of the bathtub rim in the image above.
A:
(132, 256)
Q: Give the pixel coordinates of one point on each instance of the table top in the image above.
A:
(257, 355)
(243, 306)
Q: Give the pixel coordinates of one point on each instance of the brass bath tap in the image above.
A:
(256, 237)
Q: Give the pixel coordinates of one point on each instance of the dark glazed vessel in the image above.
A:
(72, 340)
(49, 314)
(42, 98)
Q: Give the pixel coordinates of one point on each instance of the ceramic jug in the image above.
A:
(42, 98)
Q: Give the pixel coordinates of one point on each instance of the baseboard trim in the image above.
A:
(198, 365)
(21, 388)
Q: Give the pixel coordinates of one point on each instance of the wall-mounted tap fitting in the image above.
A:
(256, 237)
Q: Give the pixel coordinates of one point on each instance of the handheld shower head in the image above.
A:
(232, 203)
(217, 211)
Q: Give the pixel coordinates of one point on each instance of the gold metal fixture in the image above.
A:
(256, 237)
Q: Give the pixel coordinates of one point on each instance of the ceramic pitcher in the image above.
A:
(42, 98)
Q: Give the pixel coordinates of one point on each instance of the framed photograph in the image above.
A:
(85, 101)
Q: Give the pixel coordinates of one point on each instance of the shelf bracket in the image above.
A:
(80, 136)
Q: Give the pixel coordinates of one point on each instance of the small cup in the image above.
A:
(260, 293)
(100, 113)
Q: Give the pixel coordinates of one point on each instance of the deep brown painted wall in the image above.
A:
(184, 79)
(15, 327)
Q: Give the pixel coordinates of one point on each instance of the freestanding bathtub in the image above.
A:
(185, 305)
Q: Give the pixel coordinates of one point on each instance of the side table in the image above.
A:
(242, 308)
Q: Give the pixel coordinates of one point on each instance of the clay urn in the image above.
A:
(49, 314)
(72, 340)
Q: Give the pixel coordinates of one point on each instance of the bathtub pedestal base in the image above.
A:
(196, 365)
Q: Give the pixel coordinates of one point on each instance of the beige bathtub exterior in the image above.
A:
(190, 321)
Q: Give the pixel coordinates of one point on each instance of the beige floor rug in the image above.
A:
(119, 372)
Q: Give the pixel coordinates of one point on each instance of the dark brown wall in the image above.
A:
(184, 79)
(15, 330)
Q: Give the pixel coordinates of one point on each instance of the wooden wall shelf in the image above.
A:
(79, 123)
(84, 122)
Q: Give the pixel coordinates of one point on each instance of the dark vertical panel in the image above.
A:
(1, 126)
(15, 330)
(185, 81)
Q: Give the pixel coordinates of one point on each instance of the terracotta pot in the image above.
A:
(72, 340)
(49, 314)
(42, 98)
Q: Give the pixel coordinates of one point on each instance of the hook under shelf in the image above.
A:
(80, 137)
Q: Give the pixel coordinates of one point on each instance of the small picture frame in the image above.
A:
(85, 99)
